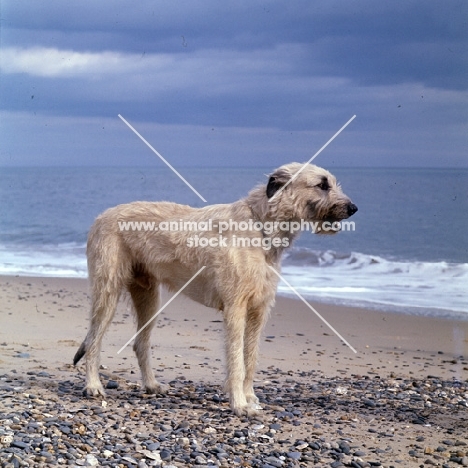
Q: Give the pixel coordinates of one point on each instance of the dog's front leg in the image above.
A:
(235, 322)
(256, 319)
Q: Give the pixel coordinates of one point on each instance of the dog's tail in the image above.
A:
(80, 353)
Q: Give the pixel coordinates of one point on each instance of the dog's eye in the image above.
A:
(324, 185)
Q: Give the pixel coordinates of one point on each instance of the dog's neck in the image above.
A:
(284, 238)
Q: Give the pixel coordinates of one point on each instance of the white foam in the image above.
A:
(359, 279)
(63, 260)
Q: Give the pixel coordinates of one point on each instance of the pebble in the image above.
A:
(91, 460)
(336, 464)
(199, 460)
(370, 403)
(112, 384)
(19, 444)
(153, 446)
(294, 455)
(22, 355)
(165, 455)
(273, 461)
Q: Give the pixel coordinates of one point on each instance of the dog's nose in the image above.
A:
(352, 208)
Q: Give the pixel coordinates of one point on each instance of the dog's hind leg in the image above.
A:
(144, 291)
(104, 303)
(256, 319)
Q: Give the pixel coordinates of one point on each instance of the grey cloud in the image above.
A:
(285, 67)
(371, 42)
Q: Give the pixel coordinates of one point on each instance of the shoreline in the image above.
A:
(417, 311)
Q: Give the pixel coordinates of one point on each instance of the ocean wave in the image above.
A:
(62, 260)
(360, 279)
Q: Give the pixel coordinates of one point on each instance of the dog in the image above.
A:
(238, 279)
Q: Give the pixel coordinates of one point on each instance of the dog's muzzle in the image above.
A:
(352, 208)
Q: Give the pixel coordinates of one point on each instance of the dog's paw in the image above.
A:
(156, 389)
(91, 392)
(250, 410)
(252, 399)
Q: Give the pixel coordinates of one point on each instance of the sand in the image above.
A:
(44, 320)
(48, 319)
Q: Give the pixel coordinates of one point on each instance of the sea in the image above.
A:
(407, 252)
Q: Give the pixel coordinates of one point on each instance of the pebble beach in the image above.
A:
(400, 401)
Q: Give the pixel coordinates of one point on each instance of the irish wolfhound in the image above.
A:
(237, 278)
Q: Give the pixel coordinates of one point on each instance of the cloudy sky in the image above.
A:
(232, 83)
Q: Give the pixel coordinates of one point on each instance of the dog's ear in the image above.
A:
(273, 186)
(276, 181)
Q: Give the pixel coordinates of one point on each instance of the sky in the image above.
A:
(234, 83)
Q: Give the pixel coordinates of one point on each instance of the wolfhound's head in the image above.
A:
(310, 193)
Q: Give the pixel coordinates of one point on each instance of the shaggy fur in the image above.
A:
(236, 280)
